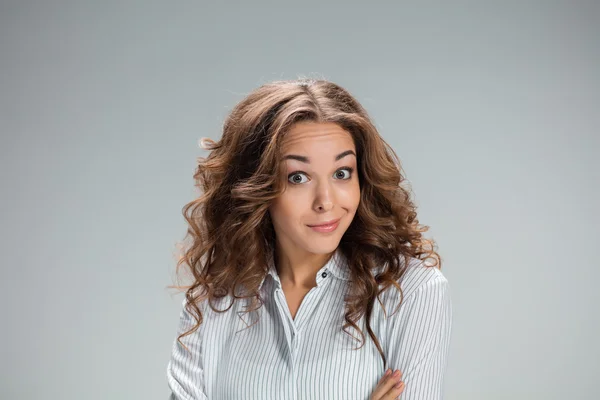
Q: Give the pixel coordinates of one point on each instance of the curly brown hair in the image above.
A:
(230, 232)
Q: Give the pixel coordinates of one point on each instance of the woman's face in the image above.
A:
(321, 186)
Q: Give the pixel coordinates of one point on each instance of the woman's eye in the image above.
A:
(296, 178)
(344, 173)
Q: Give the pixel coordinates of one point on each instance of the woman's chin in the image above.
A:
(323, 246)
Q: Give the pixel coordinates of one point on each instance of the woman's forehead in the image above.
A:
(313, 135)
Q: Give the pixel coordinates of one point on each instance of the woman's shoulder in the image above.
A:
(217, 308)
(203, 304)
(418, 275)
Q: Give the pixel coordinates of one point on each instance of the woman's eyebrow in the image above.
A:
(307, 161)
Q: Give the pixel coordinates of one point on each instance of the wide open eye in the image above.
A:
(344, 173)
(295, 178)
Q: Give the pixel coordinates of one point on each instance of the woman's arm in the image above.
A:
(419, 338)
(185, 371)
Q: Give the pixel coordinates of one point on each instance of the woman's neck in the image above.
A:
(299, 269)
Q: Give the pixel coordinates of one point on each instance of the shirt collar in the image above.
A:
(337, 265)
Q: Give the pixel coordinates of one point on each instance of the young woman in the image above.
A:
(304, 240)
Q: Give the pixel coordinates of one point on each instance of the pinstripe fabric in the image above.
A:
(309, 357)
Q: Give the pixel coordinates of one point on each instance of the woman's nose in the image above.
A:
(323, 207)
(324, 200)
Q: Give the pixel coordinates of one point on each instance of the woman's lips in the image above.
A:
(329, 226)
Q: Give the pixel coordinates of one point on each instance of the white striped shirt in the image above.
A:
(310, 357)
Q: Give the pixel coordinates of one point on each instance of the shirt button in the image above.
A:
(324, 274)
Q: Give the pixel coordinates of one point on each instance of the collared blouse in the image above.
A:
(309, 356)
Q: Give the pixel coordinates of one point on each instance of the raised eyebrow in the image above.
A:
(344, 154)
(307, 161)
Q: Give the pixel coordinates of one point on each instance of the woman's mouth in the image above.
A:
(326, 227)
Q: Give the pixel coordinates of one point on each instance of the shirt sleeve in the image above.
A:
(419, 337)
(185, 371)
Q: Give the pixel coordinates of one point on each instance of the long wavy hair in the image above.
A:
(230, 235)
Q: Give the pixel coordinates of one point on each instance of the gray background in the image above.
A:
(491, 106)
